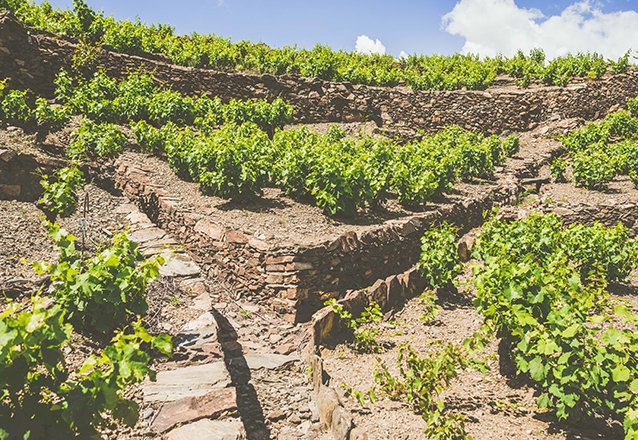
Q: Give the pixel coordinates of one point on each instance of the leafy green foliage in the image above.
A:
(48, 117)
(439, 262)
(557, 169)
(593, 169)
(96, 141)
(599, 250)
(19, 107)
(365, 337)
(102, 379)
(230, 164)
(426, 169)
(230, 157)
(104, 292)
(360, 396)
(420, 72)
(42, 398)
(609, 250)
(421, 382)
(138, 98)
(602, 150)
(429, 308)
(149, 138)
(341, 174)
(614, 126)
(543, 287)
(15, 108)
(60, 197)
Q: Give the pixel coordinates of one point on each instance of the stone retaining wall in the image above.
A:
(32, 58)
(20, 174)
(609, 214)
(291, 278)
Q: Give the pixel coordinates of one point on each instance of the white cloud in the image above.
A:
(367, 45)
(403, 54)
(491, 27)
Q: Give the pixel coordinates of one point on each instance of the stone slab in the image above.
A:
(269, 361)
(191, 381)
(209, 430)
(210, 406)
(179, 265)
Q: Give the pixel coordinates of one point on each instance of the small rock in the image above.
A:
(358, 434)
(178, 265)
(203, 321)
(269, 361)
(327, 402)
(7, 155)
(127, 208)
(314, 412)
(341, 424)
(276, 415)
(285, 348)
(202, 302)
(194, 286)
(209, 430)
(148, 234)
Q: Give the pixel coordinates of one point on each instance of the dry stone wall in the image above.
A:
(32, 59)
(293, 278)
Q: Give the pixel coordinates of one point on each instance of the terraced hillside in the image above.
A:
(199, 248)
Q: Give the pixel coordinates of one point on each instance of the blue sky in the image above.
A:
(411, 26)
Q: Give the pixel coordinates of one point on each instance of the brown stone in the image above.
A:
(236, 237)
(210, 430)
(341, 424)
(394, 293)
(274, 279)
(416, 282)
(355, 301)
(275, 268)
(465, 246)
(327, 402)
(209, 229)
(406, 290)
(190, 409)
(378, 292)
(258, 244)
(316, 368)
(285, 348)
(323, 324)
(349, 241)
(358, 434)
(279, 260)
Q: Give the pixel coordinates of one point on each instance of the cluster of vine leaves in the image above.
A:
(103, 296)
(602, 150)
(543, 287)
